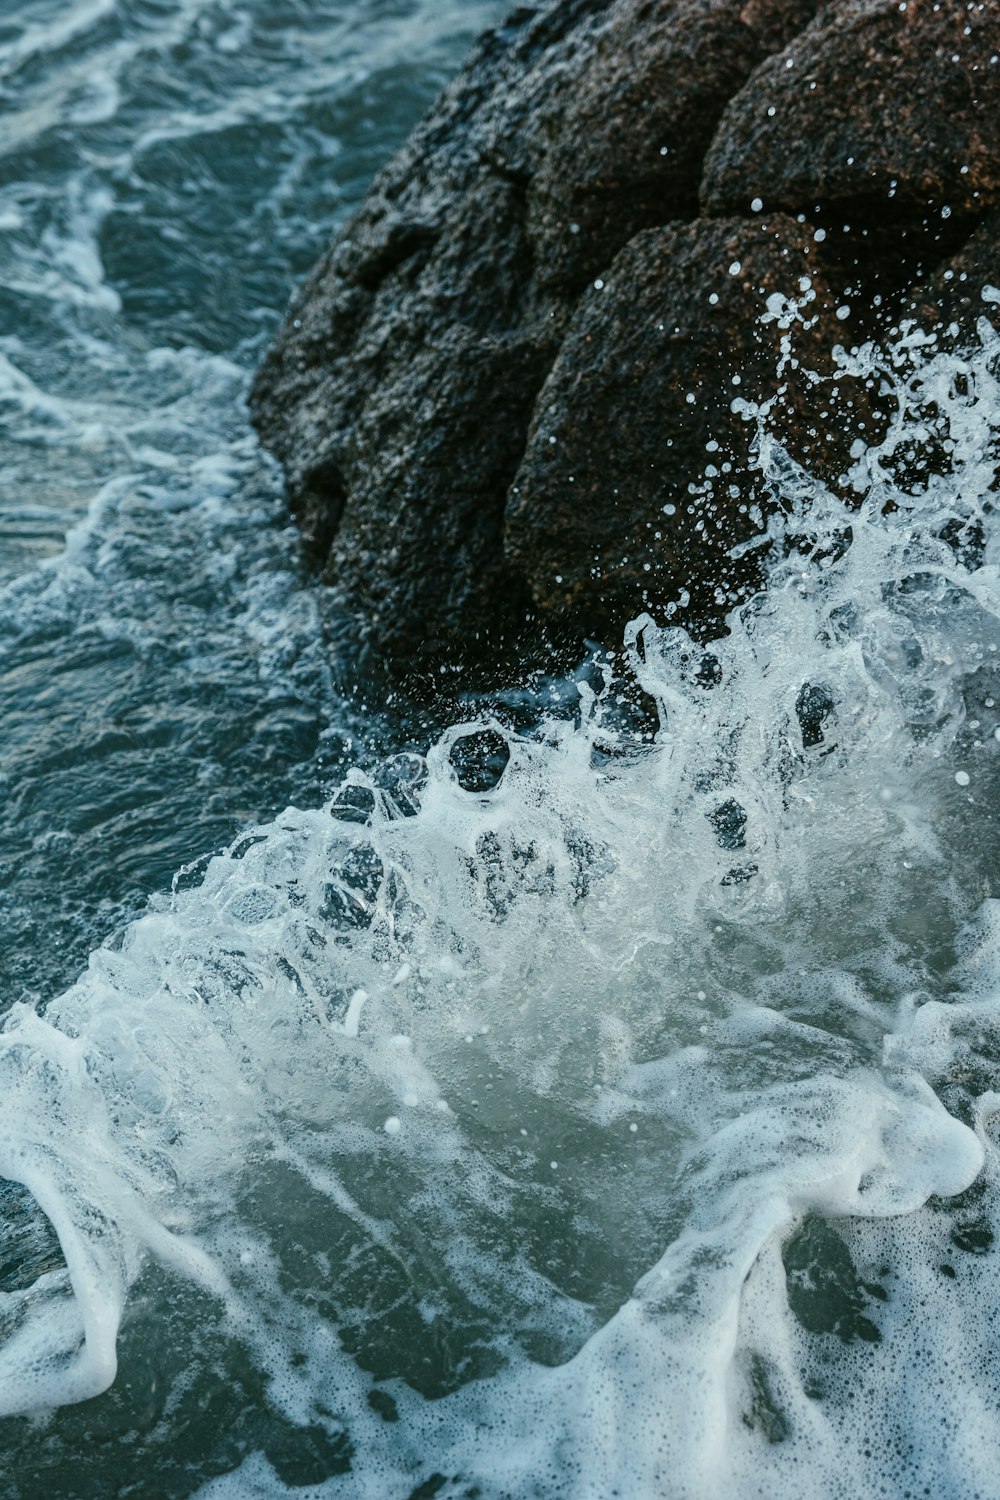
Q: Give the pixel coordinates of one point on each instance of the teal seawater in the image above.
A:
(168, 170)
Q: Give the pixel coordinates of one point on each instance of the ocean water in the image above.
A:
(614, 1113)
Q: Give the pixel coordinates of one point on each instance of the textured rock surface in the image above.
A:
(885, 111)
(624, 496)
(456, 326)
(619, 146)
(954, 295)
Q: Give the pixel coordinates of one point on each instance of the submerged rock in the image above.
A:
(504, 399)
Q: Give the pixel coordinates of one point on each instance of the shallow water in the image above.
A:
(620, 1123)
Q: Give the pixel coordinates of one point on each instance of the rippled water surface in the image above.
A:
(611, 1113)
(167, 171)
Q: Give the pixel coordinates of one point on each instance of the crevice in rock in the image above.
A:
(405, 241)
(320, 497)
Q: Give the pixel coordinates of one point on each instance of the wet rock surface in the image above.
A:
(953, 301)
(652, 370)
(887, 111)
(549, 257)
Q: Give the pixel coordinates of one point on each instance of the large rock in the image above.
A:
(455, 326)
(624, 498)
(883, 112)
(617, 145)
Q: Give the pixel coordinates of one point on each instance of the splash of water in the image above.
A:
(586, 1113)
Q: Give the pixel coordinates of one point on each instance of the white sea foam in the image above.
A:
(584, 1057)
(49, 36)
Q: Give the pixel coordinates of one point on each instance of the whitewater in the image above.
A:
(596, 1096)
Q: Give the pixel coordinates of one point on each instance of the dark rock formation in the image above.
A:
(617, 144)
(623, 497)
(533, 266)
(885, 111)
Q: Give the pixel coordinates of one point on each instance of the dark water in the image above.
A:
(168, 170)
